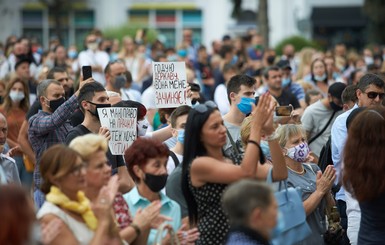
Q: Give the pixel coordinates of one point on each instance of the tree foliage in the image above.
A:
(298, 43)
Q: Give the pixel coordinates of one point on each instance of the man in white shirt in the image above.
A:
(95, 58)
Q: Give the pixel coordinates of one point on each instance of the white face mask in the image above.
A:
(92, 46)
(142, 127)
(16, 96)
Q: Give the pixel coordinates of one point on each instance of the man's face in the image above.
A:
(117, 69)
(63, 78)
(3, 132)
(372, 96)
(99, 98)
(23, 70)
(55, 92)
(180, 124)
(245, 91)
(286, 73)
(274, 81)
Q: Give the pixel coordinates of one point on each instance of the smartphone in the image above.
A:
(195, 87)
(283, 111)
(256, 100)
(87, 72)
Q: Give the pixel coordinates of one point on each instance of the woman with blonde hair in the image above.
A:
(315, 186)
(133, 61)
(64, 175)
(15, 108)
(92, 148)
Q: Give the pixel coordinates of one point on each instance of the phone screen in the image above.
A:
(283, 111)
(87, 72)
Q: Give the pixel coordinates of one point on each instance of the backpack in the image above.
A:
(325, 159)
(235, 151)
(175, 158)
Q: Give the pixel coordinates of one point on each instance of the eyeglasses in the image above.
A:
(373, 95)
(77, 170)
(202, 108)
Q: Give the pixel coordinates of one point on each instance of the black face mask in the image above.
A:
(155, 182)
(96, 114)
(270, 59)
(54, 104)
(1, 100)
(334, 106)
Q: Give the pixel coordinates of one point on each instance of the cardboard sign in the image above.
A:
(170, 82)
(121, 121)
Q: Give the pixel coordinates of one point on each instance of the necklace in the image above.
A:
(300, 173)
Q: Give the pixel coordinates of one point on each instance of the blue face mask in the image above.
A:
(265, 149)
(72, 54)
(286, 82)
(278, 229)
(181, 136)
(320, 78)
(245, 105)
(234, 60)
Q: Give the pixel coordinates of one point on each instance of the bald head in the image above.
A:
(3, 131)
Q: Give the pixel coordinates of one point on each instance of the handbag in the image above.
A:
(161, 233)
(295, 227)
(335, 232)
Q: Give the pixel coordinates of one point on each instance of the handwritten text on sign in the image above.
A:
(121, 121)
(170, 84)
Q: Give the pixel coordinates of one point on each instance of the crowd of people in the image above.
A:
(311, 120)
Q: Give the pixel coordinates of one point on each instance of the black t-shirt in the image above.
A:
(288, 98)
(115, 161)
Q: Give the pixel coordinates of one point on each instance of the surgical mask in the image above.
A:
(320, 78)
(92, 46)
(234, 60)
(182, 53)
(142, 127)
(265, 149)
(155, 182)
(279, 227)
(72, 54)
(368, 60)
(172, 58)
(97, 106)
(298, 153)
(49, 63)
(54, 104)
(334, 106)
(181, 136)
(245, 105)
(120, 81)
(16, 96)
(286, 82)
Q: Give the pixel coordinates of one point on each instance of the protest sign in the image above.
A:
(170, 83)
(121, 121)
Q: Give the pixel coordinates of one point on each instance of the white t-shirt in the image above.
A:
(171, 164)
(148, 98)
(90, 58)
(220, 98)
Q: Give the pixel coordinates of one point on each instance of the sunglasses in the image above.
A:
(202, 108)
(373, 95)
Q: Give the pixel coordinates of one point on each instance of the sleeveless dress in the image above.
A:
(213, 225)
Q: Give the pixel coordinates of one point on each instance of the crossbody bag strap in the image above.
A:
(323, 130)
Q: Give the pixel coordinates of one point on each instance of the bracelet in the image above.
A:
(272, 136)
(136, 228)
(262, 159)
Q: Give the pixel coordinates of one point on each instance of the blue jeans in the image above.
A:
(39, 198)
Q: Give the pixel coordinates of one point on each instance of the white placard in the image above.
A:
(170, 83)
(121, 121)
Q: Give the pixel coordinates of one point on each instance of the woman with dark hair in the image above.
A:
(146, 160)
(64, 180)
(364, 166)
(206, 170)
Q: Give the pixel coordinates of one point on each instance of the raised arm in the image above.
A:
(209, 169)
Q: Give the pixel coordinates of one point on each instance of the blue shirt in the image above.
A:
(169, 208)
(339, 134)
